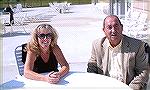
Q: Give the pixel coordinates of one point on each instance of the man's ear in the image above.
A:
(121, 25)
(103, 29)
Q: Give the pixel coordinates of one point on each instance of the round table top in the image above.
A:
(73, 80)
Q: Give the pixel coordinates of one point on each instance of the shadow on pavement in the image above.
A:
(13, 34)
(13, 84)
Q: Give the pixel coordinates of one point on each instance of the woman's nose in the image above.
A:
(45, 38)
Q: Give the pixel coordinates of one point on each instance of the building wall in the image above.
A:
(148, 3)
(142, 5)
(138, 4)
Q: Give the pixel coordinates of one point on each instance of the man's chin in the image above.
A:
(114, 37)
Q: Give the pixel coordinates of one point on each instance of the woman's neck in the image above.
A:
(44, 50)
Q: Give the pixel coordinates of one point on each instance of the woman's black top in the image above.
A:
(41, 67)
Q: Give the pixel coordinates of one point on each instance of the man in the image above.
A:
(119, 56)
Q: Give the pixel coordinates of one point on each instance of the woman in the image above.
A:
(43, 55)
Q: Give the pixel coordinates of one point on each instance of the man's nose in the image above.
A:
(112, 29)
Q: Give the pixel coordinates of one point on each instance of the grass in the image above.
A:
(38, 3)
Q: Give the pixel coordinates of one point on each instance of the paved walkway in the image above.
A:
(77, 29)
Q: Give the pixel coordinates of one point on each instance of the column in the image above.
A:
(148, 3)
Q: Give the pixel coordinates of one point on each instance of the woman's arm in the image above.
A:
(61, 60)
(28, 68)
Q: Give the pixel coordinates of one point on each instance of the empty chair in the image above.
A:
(19, 22)
(54, 7)
(147, 50)
(18, 8)
(135, 23)
(132, 18)
(140, 28)
(143, 18)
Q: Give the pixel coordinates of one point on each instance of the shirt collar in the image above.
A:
(109, 45)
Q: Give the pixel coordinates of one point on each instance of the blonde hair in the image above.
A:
(33, 45)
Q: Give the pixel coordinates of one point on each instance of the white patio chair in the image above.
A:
(5, 21)
(66, 6)
(131, 16)
(19, 22)
(54, 7)
(18, 8)
(139, 29)
(143, 17)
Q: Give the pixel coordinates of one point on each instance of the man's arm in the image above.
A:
(141, 70)
(92, 68)
(92, 64)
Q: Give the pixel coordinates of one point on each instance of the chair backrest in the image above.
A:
(18, 8)
(147, 50)
(143, 17)
(20, 54)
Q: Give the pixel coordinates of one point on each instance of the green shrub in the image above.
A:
(38, 3)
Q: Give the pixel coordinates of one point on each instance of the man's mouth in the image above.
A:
(113, 35)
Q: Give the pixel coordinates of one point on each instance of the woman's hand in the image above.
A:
(53, 77)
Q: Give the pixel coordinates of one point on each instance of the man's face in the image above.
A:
(113, 30)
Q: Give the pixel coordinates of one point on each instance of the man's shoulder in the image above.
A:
(133, 40)
(97, 41)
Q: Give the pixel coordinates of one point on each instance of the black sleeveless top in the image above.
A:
(41, 67)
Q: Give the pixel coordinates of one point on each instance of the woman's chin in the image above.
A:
(45, 46)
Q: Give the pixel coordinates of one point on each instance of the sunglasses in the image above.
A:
(42, 36)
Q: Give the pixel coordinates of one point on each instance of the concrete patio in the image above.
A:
(76, 28)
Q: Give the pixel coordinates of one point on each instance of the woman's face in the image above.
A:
(44, 38)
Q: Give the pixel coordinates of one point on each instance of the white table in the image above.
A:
(72, 81)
